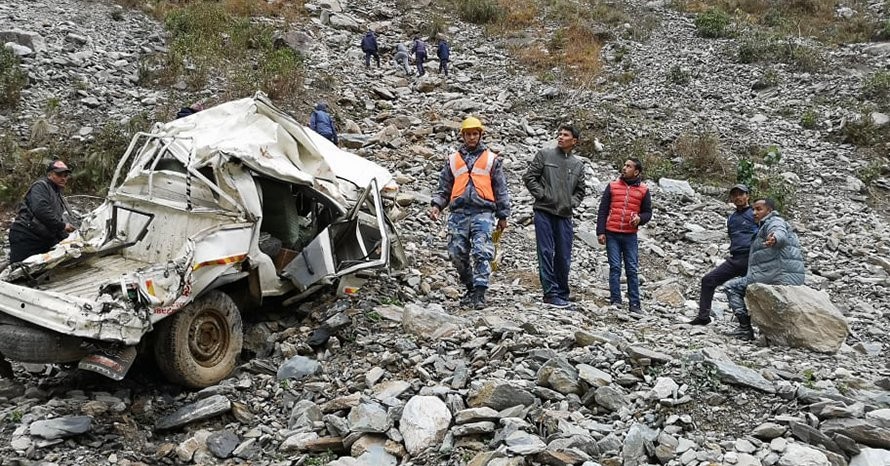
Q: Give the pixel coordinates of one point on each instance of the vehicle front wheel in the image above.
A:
(199, 345)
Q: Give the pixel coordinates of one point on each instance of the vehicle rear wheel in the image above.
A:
(28, 343)
(199, 345)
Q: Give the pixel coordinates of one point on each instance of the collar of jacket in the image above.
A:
(767, 217)
(631, 182)
(479, 149)
(563, 152)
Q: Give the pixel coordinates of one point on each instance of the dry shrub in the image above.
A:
(809, 18)
(700, 153)
(518, 13)
(582, 51)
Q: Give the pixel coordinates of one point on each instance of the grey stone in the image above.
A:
(879, 417)
(558, 374)
(738, 375)
(204, 409)
(523, 443)
(610, 398)
(62, 427)
(797, 316)
(769, 431)
(473, 428)
(500, 395)
(871, 457)
(859, 430)
(678, 187)
(32, 40)
(475, 415)
(368, 417)
(593, 376)
(222, 443)
(430, 322)
(639, 352)
(633, 452)
(665, 387)
(304, 414)
(298, 442)
(298, 368)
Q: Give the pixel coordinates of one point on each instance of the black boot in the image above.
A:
(703, 318)
(467, 299)
(745, 331)
(479, 297)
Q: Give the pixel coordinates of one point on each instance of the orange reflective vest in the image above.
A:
(626, 202)
(480, 174)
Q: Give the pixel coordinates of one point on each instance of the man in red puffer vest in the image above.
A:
(625, 206)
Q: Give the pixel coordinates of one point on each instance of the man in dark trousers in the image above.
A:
(369, 46)
(555, 179)
(321, 122)
(625, 206)
(443, 51)
(41, 220)
(775, 259)
(419, 51)
(742, 228)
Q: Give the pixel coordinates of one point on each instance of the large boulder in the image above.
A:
(796, 316)
(424, 422)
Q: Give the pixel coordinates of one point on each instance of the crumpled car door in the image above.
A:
(361, 240)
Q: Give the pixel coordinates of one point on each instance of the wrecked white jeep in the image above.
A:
(205, 216)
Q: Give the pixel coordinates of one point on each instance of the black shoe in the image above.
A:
(744, 331)
(478, 300)
(467, 299)
(700, 320)
(636, 310)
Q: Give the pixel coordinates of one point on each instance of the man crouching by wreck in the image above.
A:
(40, 223)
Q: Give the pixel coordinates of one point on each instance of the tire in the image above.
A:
(27, 343)
(199, 345)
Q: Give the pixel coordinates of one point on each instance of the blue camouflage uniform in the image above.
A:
(472, 220)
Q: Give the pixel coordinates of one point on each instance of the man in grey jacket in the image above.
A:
(555, 179)
(775, 259)
(42, 220)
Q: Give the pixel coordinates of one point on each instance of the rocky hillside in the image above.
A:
(409, 377)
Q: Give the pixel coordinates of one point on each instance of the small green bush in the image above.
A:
(699, 153)
(678, 75)
(759, 170)
(479, 11)
(768, 79)
(713, 23)
(877, 87)
(760, 48)
(809, 119)
(12, 79)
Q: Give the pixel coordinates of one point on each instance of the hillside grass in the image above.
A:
(798, 18)
(560, 40)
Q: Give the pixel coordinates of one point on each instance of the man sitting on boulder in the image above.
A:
(775, 259)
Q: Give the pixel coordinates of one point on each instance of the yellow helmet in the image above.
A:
(471, 123)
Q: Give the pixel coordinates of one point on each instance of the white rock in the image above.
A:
(424, 422)
(799, 455)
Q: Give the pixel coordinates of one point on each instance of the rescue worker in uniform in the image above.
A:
(473, 184)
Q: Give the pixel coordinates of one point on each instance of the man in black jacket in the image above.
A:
(741, 228)
(555, 179)
(40, 223)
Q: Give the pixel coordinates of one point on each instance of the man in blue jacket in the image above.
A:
(444, 54)
(369, 46)
(742, 228)
(42, 220)
(418, 48)
(321, 122)
(775, 259)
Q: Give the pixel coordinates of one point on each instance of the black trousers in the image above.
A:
(734, 266)
(23, 243)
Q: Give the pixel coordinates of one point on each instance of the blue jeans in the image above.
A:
(735, 293)
(623, 246)
(553, 236)
(419, 58)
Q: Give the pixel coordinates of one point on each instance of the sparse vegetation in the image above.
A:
(809, 119)
(209, 38)
(479, 11)
(699, 155)
(768, 79)
(798, 18)
(758, 168)
(12, 79)
(862, 130)
(713, 23)
(760, 48)
(877, 87)
(678, 75)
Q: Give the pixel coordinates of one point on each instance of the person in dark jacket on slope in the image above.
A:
(418, 48)
(369, 46)
(321, 122)
(625, 206)
(443, 51)
(42, 220)
(741, 228)
(555, 179)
